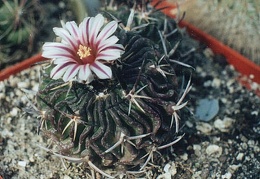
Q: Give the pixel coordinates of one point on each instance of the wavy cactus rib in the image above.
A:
(120, 122)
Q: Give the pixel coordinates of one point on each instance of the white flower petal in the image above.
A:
(59, 61)
(56, 50)
(84, 72)
(58, 71)
(88, 34)
(89, 29)
(109, 55)
(83, 31)
(71, 72)
(102, 71)
(107, 42)
(107, 31)
(65, 35)
(95, 27)
(73, 29)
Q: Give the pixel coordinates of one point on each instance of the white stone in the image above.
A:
(170, 170)
(203, 127)
(22, 163)
(233, 168)
(14, 112)
(214, 149)
(184, 157)
(240, 156)
(6, 133)
(216, 83)
(197, 149)
(35, 87)
(207, 83)
(227, 175)
(223, 100)
(23, 84)
(66, 177)
(224, 125)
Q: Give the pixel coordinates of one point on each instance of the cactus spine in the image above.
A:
(124, 121)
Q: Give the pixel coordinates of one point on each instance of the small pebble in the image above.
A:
(214, 149)
(14, 112)
(227, 175)
(66, 177)
(240, 156)
(22, 163)
(223, 125)
(233, 168)
(216, 82)
(197, 149)
(207, 83)
(23, 84)
(203, 127)
(184, 157)
(170, 168)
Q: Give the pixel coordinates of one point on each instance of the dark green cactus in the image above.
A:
(18, 22)
(120, 122)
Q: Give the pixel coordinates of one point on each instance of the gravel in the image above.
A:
(227, 146)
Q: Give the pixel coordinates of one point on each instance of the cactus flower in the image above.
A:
(89, 47)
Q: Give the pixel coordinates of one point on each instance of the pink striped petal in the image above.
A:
(59, 70)
(52, 49)
(102, 71)
(83, 31)
(58, 61)
(73, 30)
(90, 34)
(95, 27)
(109, 55)
(107, 31)
(71, 72)
(107, 42)
(64, 34)
(84, 73)
(90, 22)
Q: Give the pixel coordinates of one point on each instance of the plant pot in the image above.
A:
(242, 64)
(27, 63)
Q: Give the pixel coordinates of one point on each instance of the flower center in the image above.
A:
(83, 51)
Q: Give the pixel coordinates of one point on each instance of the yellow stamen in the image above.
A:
(83, 51)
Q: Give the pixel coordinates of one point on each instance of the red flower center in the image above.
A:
(85, 54)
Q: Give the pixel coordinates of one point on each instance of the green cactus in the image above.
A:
(235, 23)
(124, 120)
(18, 21)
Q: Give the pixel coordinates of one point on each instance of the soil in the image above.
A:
(224, 146)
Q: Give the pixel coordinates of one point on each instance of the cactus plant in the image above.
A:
(18, 22)
(111, 96)
(234, 22)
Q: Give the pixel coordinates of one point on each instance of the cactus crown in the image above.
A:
(120, 108)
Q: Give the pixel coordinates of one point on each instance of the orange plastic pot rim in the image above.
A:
(16, 68)
(240, 63)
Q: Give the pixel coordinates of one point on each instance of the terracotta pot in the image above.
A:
(241, 64)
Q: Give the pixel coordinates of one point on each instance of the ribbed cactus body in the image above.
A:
(134, 103)
(118, 121)
(18, 20)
